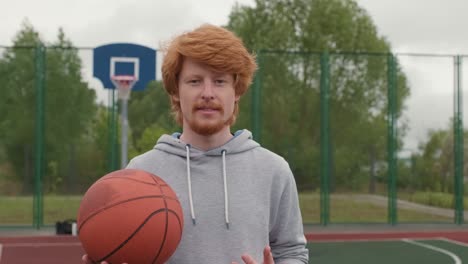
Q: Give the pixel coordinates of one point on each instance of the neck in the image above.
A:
(206, 142)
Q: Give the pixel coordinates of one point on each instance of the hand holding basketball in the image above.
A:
(267, 257)
(130, 216)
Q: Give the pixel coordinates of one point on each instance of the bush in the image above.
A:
(437, 199)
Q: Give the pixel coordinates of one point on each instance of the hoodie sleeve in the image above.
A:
(287, 240)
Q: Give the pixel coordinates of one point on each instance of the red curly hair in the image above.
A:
(214, 46)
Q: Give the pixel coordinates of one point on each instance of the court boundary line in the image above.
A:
(391, 239)
(441, 250)
(456, 242)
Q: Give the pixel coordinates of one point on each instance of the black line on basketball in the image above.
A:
(133, 234)
(137, 230)
(130, 179)
(167, 224)
(167, 221)
(122, 202)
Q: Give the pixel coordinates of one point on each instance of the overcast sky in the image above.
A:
(411, 26)
(433, 26)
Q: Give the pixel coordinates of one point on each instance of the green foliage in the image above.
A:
(18, 101)
(69, 108)
(288, 37)
(67, 98)
(437, 199)
(148, 139)
(149, 117)
(405, 175)
(433, 165)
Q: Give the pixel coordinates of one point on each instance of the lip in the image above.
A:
(207, 110)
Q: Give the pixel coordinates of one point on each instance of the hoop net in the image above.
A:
(124, 85)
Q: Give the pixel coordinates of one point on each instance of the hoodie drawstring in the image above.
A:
(226, 200)
(189, 182)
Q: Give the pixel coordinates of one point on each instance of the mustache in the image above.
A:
(210, 105)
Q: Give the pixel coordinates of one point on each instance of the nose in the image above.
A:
(208, 91)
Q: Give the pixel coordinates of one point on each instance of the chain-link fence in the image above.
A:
(371, 138)
(56, 133)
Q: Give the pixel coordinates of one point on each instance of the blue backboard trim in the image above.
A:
(142, 58)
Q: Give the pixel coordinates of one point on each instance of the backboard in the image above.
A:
(124, 59)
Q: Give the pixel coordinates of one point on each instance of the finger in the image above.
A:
(248, 259)
(86, 259)
(267, 256)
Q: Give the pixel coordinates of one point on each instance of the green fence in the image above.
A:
(57, 134)
(371, 138)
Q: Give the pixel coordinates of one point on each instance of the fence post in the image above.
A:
(38, 215)
(392, 139)
(324, 139)
(458, 142)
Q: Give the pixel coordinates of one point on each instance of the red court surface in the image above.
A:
(41, 250)
(50, 249)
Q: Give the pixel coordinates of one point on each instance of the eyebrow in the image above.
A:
(191, 76)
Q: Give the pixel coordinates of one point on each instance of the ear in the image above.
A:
(237, 98)
(175, 98)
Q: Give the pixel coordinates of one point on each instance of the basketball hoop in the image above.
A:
(124, 85)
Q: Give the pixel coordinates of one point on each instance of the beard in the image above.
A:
(209, 127)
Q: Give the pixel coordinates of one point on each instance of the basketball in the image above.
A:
(130, 216)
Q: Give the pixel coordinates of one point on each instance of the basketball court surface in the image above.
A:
(432, 247)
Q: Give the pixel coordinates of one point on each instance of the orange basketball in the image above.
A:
(130, 216)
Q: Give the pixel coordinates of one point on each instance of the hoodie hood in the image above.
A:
(241, 142)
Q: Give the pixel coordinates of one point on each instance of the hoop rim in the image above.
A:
(124, 85)
(123, 78)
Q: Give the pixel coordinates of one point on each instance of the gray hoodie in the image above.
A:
(237, 199)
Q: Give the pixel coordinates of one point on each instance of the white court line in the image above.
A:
(463, 244)
(453, 256)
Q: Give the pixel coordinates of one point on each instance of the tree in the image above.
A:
(69, 101)
(289, 37)
(18, 102)
(149, 108)
(434, 163)
(69, 106)
(93, 154)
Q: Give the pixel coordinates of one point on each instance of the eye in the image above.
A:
(193, 81)
(220, 81)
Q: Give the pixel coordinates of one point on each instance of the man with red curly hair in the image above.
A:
(241, 199)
